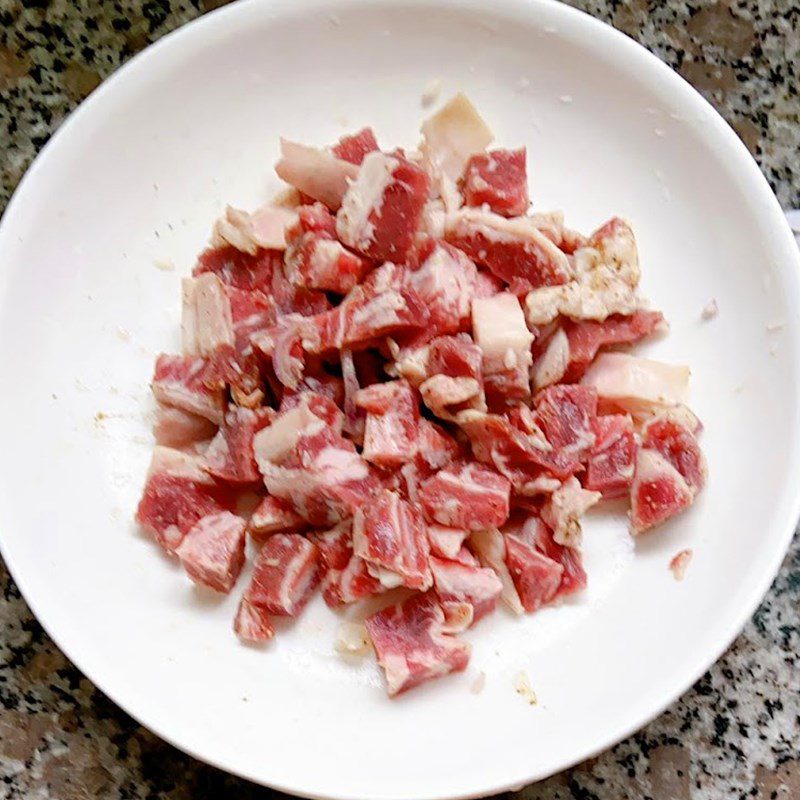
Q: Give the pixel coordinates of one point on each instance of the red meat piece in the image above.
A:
(466, 495)
(273, 515)
(238, 269)
(212, 552)
(586, 337)
(392, 423)
(412, 645)
(540, 535)
(456, 582)
(391, 536)
(499, 179)
(679, 446)
(355, 146)
(172, 504)
(445, 282)
(285, 573)
(230, 455)
(176, 428)
(252, 311)
(345, 577)
(315, 259)
(536, 577)
(611, 463)
(191, 384)
(514, 250)
(382, 207)
(658, 493)
(252, 624)
(566, 415)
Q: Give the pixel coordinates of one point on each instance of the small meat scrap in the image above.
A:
(515, 250)
(459, 583)
(710, 310)
(680, 563)
(285, 573)
(391, 536)
(391, 430)
(191, 384)
(382, 207)
(177, 494)
(212, 552)
(273, 515)
(613, 456)
(412, 645)
(564, 509)
(355, 146)
(345, 578)
(466, 495)
(230, 455)
(252, 623)
(500, 180)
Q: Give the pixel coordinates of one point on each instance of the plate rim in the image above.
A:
(748, 170)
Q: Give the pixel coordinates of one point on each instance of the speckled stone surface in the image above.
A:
(735, 734)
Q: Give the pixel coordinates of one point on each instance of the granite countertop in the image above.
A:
(735, 734)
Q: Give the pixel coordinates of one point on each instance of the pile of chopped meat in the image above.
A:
(420, 381)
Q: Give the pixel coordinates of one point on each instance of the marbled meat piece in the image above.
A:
(391, 536)
(456, 582)
(391, 429)
(354, 147)
(498, 179)
(466, 495)
(273, 515)
(285, 574)
(411, 644)
(230, 457)
(212, 552)
(252, 623)
(515, 250)
(191, 384)
(613, 456)
(176, 428)
(382, 207)
(658, 493)
(345, 577)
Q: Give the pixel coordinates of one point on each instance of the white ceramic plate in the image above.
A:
(137, 175)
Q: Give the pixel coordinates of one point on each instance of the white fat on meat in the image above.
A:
(412, 364)
(446, 542)
(441, 392)
(490, 548)
(272, 444)
(498, 326)
(445, 280)
(564, 509)
(612, 246)
(175, 427)
(551, 365)
(433, 218)
(206, 320)
(364, 196)
(181, 465)
(315, 172)
(638, 385)
(452, 135)
(264, 227)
